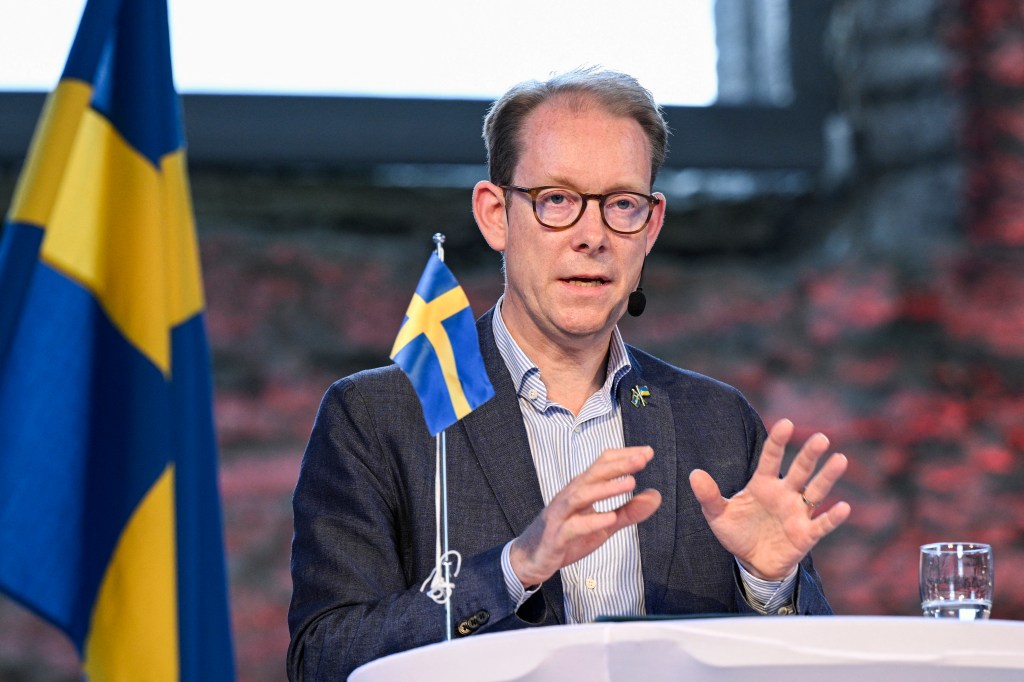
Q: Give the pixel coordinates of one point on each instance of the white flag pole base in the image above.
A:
(438, 585)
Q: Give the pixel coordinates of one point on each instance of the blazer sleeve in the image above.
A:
(356, 587)
(809, 595)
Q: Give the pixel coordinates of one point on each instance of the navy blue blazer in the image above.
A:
(364, 511)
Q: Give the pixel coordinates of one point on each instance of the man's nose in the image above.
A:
(590, 229)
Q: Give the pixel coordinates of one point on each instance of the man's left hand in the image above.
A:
(772, 523)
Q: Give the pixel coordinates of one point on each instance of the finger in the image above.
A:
(803, 465)
(639, 508)
(618, 462)
(828, 521)
(608, 476)
(707, 493)
(821, 485)
(580, 496)
(582, 525)
(770, 462)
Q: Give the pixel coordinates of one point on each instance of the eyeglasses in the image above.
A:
(559, 208)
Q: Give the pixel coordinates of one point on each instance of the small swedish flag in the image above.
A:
(439, 350)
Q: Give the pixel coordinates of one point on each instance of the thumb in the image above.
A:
(706, 491)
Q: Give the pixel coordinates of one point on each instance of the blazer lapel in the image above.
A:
(652, 424)
(498, 439)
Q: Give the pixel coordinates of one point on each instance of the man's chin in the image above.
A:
(584, 325)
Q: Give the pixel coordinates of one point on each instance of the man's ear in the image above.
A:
(489, 211)
(657, 221)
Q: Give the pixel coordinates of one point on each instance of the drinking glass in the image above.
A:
(955, 580)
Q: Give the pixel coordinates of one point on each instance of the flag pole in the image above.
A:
(466, 391)
(442, 446)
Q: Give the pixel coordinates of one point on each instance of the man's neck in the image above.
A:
(572, 369)
(571, 383)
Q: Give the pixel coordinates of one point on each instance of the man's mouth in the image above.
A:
(585, 281)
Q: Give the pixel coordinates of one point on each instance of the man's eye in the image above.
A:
(624, 202)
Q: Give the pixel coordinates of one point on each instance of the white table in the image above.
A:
(818, 649)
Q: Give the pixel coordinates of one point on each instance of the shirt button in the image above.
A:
(591, 583)
(532, 394)
(577, 429)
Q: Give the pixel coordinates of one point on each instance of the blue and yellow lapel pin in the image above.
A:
(639, 393)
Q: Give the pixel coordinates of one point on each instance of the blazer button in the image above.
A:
(787, 611)
(473, 623)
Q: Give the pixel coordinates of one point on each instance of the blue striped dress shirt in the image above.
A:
(609, 580)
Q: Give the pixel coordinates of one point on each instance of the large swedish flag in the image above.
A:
(439, 350)
(110, 522)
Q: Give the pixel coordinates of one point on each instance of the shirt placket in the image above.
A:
(587, 584)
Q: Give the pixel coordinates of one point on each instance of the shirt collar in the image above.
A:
(522, 368)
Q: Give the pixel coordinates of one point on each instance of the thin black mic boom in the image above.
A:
(637, 301)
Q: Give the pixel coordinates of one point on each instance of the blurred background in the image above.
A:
(844, 244)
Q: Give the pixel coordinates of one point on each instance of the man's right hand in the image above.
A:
(569, 529)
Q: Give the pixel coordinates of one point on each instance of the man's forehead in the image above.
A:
(571, 105)
(558, 114)
(549, 121)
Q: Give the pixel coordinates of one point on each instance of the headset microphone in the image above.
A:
(637, 301)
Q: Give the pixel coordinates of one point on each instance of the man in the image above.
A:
(566, 497)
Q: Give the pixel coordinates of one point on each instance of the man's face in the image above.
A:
(570, 287)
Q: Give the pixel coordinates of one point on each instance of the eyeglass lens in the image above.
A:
(624, 211)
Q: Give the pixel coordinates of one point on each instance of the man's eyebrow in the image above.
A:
(562, 181)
